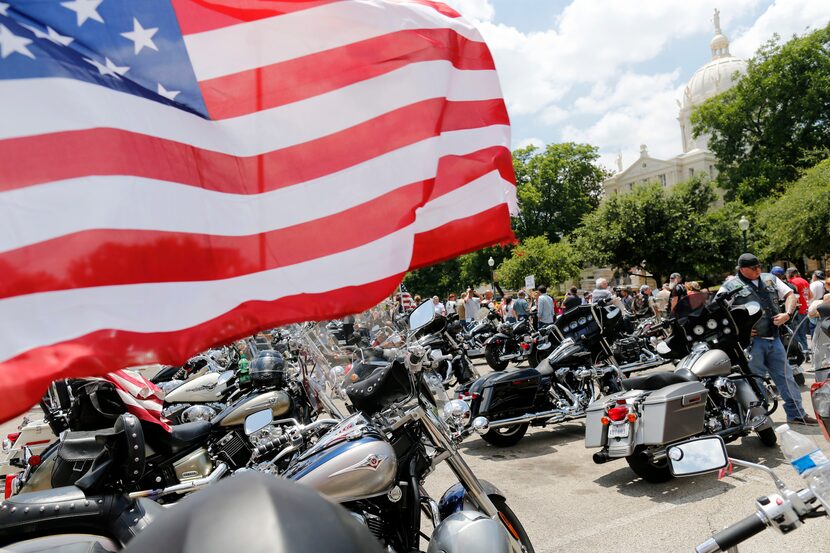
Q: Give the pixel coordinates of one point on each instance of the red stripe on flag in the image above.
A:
(196, 16)
(113, 257)
(475, 232)
(293, 80)
(24, 378)
(104, 151)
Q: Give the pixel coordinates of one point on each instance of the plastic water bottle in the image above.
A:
(808, 460)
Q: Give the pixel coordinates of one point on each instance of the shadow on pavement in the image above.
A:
(536, 443)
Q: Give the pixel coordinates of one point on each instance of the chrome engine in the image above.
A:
(725, 387)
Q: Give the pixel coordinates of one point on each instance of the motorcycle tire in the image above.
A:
(768, 437)
(512, 522)
(491, 355)
(535, 359)
(648, 470)
(505, 436)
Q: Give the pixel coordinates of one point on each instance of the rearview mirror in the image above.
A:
(422, 316)
(752, 307)
(662, 348)
(257, 421)
(698, 456)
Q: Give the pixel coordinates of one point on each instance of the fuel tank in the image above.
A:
(352, 461)
(208, 387)
(277, 400)
(713, 362)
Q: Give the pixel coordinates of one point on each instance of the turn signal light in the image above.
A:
(632, 417)
(605, 421)
(13, 436)
(34, 461)
(617, 413)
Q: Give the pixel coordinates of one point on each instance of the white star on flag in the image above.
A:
(141, 37)
(84, 9)
(11, 43)
(108, 68)
(3, 8)
(169, 94)
(51, 35)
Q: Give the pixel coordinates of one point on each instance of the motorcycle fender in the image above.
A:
(496, 338)
(455, 498)
(745, 394)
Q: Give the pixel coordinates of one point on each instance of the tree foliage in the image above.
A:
(439, 279)
(798, 222)
(556, 187)
(775, 121)
(548, 263)
(661, 231)
(474, 266)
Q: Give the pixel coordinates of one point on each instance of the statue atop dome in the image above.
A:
(716, 20)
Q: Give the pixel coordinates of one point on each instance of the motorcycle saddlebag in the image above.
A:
(594, 429)
(509, 392)
(673, 413)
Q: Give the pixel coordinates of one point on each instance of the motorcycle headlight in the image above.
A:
(457, 412)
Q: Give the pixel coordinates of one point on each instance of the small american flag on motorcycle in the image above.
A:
(176, 174)
(406, 298)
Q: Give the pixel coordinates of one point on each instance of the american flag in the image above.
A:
(176, 174)
(142, 398)
(406, 298)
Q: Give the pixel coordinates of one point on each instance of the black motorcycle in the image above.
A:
(578, 369)
(482, 328)
(441, 336)
(514, 342)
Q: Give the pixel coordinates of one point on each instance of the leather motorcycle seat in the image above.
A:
(657, 381)
(180, 437)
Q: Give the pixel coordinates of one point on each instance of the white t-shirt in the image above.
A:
(780, 287)
(439, 308)
(450, 307)
(471, 306)
(817, 288)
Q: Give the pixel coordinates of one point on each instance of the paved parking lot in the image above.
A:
(567, 503)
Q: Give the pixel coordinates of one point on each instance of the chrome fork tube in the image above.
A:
(465, 474)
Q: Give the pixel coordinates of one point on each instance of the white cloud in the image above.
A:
(538, 142)
(481, 10)
(785, 17)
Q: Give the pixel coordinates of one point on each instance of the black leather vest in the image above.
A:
(766, 295)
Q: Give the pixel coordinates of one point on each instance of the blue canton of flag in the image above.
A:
(135, 47)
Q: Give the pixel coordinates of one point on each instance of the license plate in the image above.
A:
(618, 430)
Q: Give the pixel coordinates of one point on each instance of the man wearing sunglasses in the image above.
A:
(767, 355)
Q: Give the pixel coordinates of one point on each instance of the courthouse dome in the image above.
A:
(717, 75)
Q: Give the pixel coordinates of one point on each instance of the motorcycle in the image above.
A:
(785, 511)
(182, 459)
(577, 371)
(483, 327)
(375, 461)
(636, 351)
(514, 342)
(452, 363)
(712, 391)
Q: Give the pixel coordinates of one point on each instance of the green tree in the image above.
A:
(556, 187)
(775, 121)
(798, 222)
(439, 279)
(474, 266)
(549, 263)
(661, 231)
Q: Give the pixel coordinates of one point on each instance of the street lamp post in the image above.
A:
(492, 263)
(743, 224)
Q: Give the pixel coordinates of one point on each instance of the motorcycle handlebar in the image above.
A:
(734, 534)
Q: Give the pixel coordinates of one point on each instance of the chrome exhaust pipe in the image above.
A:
(558, 415)
(185, 487)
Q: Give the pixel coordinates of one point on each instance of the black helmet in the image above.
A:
(268, 369)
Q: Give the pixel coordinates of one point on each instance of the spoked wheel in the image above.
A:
(648, 469)
(491, 355)
(505, 436)
(512, 523)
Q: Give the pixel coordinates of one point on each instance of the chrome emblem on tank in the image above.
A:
(370, 462)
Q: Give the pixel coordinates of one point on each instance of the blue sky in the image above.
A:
(609, 72)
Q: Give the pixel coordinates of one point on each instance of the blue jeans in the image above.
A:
(801, 332)
(768, 357)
